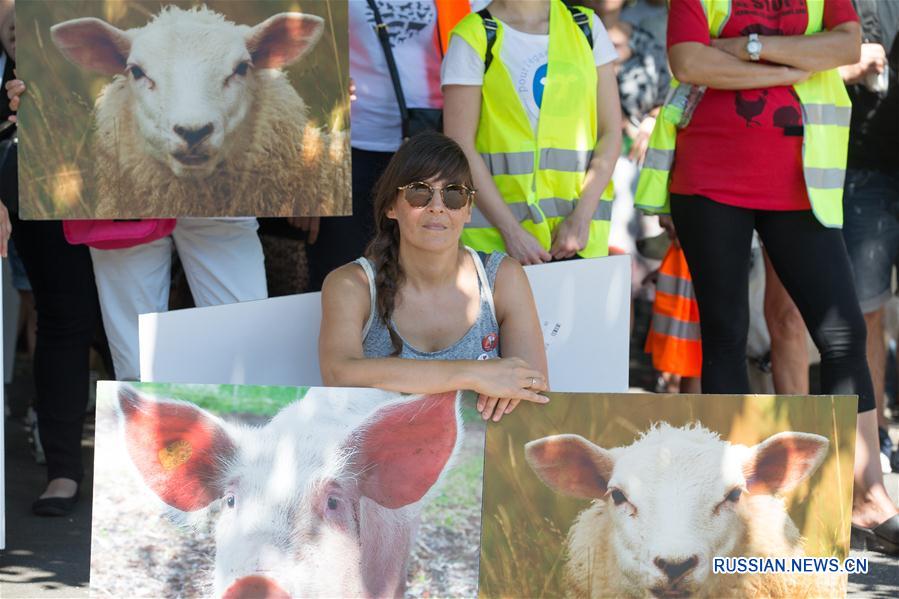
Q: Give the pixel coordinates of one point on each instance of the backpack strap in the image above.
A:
(582, 21)
(490, 27)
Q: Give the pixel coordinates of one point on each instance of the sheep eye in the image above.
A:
(242, 69)
(618, 497)
(332, 503)
(734, 495)
(136, 72)
(230, 500)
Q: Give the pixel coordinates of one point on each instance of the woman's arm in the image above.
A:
(520, 335)
(461, 113)
(345, 308)
(698, 64)
(573, 233)
(814, 53)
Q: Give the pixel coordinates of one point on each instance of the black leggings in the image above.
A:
(68, 312)
(812, 263)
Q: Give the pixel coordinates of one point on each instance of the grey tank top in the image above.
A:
(480, 342)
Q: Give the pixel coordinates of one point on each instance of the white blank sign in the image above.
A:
(584, 308)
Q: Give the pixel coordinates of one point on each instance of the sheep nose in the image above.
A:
(676, 570)
(193, 135)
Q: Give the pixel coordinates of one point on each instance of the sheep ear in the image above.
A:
(93, 44)
(782, 461)
(571, 465)
(282, 39)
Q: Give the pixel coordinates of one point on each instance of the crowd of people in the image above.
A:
(733, 120)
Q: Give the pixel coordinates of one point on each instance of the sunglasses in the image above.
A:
(455, 195)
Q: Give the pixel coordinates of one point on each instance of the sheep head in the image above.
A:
(675, 498)
(190, 75)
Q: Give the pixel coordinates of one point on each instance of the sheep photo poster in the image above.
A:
(243, 491)
(635, 495)
(151, 108)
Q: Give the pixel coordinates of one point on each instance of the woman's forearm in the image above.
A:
(599, 172)
(698, 64)
(813, 53)
(399, 374)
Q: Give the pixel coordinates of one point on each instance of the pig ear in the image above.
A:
(782, 461)
(402, 449)
(93, 44)
(571, 465)
(178, 449)
(282, 39)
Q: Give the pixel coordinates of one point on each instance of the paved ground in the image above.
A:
(50, 558)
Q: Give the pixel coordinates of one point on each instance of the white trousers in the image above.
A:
(222, 260)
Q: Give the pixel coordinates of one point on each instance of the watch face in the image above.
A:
(754, 47)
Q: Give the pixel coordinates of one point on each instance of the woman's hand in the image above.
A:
(873, 61)
(641, 140)
(309, 224)
(524, 247)
(570, 237)
(14, 89)
(667, 223)
(503, 383)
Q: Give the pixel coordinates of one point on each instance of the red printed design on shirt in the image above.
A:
(489, 342)
(744, 148)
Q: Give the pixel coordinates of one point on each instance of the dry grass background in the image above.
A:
(55, 115)
(525, 523)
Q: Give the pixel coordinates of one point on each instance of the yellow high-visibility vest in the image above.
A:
(540, 176)
(826, 110)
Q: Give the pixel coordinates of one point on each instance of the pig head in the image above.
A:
(323, 501)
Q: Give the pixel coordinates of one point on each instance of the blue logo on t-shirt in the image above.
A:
(538, 84)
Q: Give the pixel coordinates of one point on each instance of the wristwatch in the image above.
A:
(754, 47)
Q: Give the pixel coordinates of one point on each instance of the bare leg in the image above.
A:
(789, 349)
(871, 504)
(690, 384)
(876, 350)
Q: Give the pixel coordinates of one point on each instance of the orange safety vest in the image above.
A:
(449, 12)
(673, 339)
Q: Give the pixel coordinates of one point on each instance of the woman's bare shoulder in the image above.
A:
(347, 282)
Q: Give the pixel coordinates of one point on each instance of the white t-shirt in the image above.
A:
(524, 56)
(375, 116)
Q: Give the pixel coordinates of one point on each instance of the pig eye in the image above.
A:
(332, 503)
(230, 500)
(618, 497)
(136, 72)
(242, 69)
(734, 495)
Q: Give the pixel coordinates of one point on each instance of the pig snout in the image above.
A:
(255, 587)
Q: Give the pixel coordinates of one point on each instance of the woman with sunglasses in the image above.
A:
(421, 313)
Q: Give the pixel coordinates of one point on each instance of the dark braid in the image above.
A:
(422, 157)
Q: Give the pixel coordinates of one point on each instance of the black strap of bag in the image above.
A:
(490, 27)
(384, 37)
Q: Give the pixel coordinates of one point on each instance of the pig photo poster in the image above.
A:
(150, 108)
(607, 495)
(225, 490)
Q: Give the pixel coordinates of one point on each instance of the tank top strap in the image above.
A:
(485, 282)
(372, 293)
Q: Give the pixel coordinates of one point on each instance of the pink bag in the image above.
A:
(116, 234)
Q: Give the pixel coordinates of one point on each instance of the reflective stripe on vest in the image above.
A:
(540, 177)
(826, 112)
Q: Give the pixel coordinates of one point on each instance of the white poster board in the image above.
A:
(584, 309)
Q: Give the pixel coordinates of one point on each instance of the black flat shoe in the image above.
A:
(883, 538)
(55, 506)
